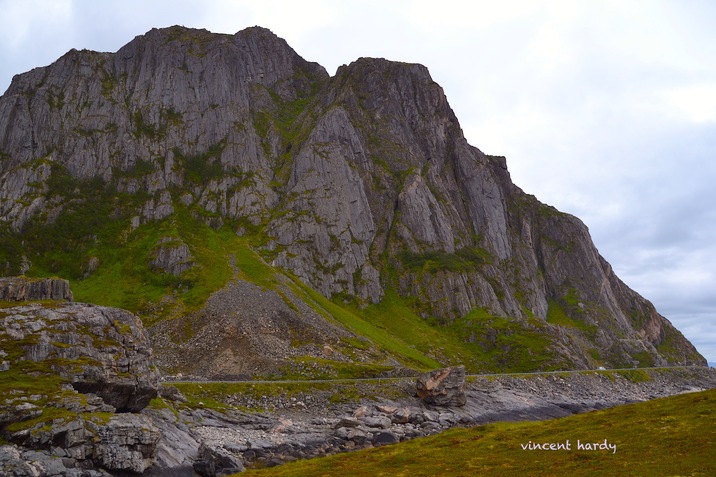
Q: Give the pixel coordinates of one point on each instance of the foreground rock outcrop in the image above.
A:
(74, 376)
(99, 350)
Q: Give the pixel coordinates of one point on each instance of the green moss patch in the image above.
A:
(308, 367)
(465, 259)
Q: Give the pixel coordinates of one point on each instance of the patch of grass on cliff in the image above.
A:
(90, 216)
(392, 316)
(467, 258)
(202, 168)
(212, 250)
(125, 280)
(480, 341)
(669, 436)
(504, 345)
(11, 251)
(557, 316)
(560, 312)
(671, 346)
(95, 226)
(282, 118)
(253, 268)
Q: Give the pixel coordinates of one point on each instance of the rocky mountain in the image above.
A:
(266, 218)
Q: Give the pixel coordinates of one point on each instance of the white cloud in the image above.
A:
(450, 16)
(287, 19)
(695, 103)
(19, 18)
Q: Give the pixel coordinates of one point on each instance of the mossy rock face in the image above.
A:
(53, 350)
(66, 370)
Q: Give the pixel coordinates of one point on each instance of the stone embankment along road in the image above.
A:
(174, 380)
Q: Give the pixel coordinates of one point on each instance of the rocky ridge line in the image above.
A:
(25, 289)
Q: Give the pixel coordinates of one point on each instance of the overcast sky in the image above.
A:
(604, 109)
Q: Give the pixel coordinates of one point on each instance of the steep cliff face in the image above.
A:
(361, 185)
(148, 117)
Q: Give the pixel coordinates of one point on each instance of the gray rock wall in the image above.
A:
(29, 289)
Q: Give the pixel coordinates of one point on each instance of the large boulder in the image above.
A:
(99, 350)
(443, 387)
(172, 256)
(128, 443)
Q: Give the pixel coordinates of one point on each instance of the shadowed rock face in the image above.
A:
(357, 184)
(25, 289)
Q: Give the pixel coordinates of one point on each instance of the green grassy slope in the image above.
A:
(673, 436)
(123, 278)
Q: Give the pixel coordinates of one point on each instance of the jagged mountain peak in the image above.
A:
(398, 103)
(382, 79)
(361, 185)
(367, 64)
(259, 33)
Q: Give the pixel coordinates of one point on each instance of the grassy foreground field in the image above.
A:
(673, 436)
